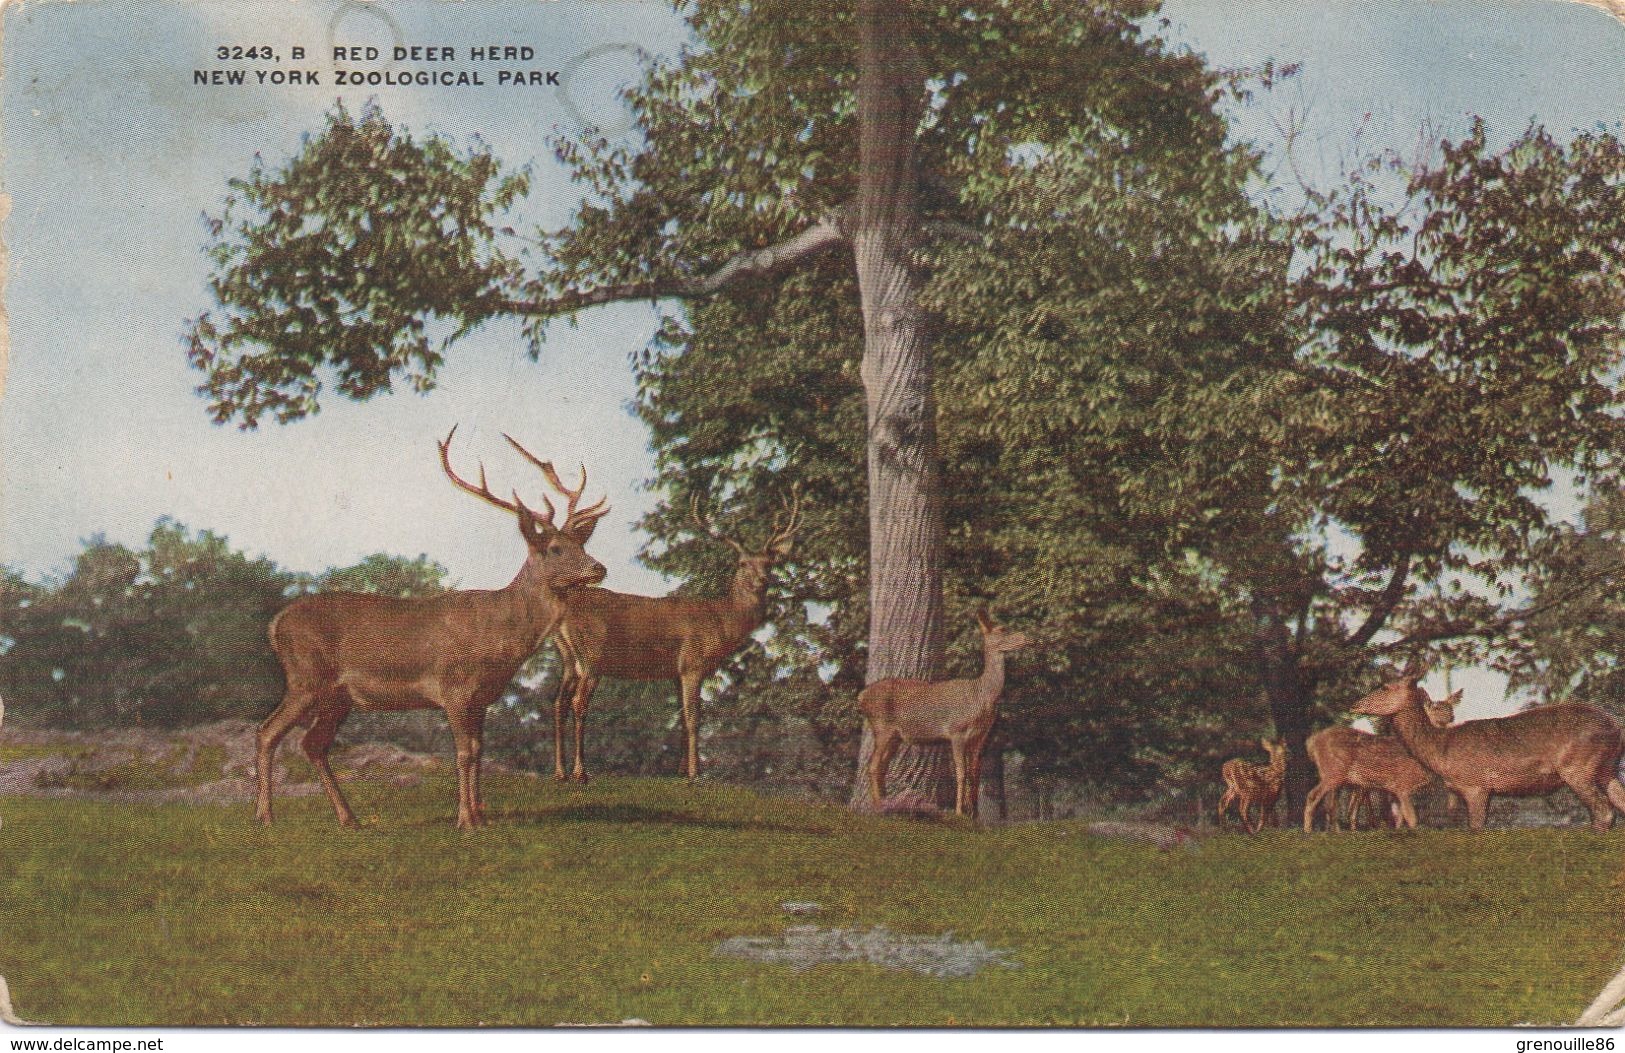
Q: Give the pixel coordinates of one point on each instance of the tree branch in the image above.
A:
(829, 232)
(1387, 600)
(1459, 627)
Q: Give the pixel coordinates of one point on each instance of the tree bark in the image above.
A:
(906, 535)
(1288, 697)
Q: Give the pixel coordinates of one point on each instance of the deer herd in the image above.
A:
(1530, 753)
(458, 652)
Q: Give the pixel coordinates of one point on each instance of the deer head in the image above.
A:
(1395, 695)
(557, 560)
(996, 639)
(750, 577)
(1277, 750)
(1441, 713)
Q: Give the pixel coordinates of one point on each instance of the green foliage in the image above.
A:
(343, 259)
(387, 575)
(171, 634)
(1575, 636)
(643, 878)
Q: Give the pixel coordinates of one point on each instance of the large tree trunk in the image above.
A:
(905, 471)
(1288, 696)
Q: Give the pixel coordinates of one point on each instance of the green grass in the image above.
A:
(604, 903)
(13, 752)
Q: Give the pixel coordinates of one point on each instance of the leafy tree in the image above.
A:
(1574, 634)
(386, 575)
(171, 634)
(789, 140)
(1456, 349)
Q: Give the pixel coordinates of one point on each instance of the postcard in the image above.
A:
(1003, 514)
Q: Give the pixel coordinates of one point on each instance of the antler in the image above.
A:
(788, 531)
(706, 528)
(483, 490)
(573, 517)
(784, 528)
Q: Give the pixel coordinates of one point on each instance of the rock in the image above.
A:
(804, 946)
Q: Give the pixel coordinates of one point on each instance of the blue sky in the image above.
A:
(110, 155)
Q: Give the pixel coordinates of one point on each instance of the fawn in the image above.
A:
(1247, 784)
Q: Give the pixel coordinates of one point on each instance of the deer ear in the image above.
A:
(581, 533)
(1454, 697)
(532, 527)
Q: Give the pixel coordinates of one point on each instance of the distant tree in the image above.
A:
(173, 633)
(215, 604)
(386, 575)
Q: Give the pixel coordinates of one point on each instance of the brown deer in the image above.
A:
(627, 637)
(455, 652)
(1366, 762)
(1533, 752)
(961, 712)
(1247, 784)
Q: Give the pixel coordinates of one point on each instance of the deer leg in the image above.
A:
(584, 689)
(465, 733)
(1312, 802)
(1356, 799)
(885, 747)
(561, 703)
(1602, 816)
(1477, 800)
(1407, 811)
(477, 719)
(1253, 825)
(691, 721)
(295, 705)
(974, 789)
(958, 749)
(1228, 799)
(1616, 794)
(316, 742)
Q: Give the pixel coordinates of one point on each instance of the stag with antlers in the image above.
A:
(455, 652)
(626, 637)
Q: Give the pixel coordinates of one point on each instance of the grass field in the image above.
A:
(606, 903)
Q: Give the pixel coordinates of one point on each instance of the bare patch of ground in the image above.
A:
(210, 763)
(804, 946)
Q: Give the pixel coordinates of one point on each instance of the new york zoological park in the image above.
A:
(1078, 461)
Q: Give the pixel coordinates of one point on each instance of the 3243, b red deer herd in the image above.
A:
(460, 650)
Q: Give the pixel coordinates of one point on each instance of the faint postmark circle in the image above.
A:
(569, 89)
(370, 10)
